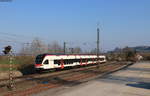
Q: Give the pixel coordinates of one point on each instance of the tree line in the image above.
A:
(37, 46)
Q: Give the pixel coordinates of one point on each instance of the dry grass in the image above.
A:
(146, 56)
(21, 63)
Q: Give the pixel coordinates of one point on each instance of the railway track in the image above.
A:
(35, 83)
(52, 73)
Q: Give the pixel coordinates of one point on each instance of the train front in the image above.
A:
(38, 62)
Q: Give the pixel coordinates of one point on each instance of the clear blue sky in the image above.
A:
(123, 22)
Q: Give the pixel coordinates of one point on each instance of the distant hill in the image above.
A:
(137, 48)
(142, 48)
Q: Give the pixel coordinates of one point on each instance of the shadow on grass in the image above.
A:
(28, 69)
(140, 85)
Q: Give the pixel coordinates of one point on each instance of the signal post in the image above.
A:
(7, 51)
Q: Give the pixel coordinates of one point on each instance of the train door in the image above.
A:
(93, 61)
(62, 64)
(81, 61)
(46, 64)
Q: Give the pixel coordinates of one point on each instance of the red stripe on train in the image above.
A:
(81, 61)
(62, 64)
(38, 65)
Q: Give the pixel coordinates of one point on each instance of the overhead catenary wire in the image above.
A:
(86, 47)
(11, 41)
(18, 37)
(13, 35)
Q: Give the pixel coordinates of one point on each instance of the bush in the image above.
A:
(26, 64)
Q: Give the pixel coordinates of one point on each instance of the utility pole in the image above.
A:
(98, 47)
(97, 42)
(64, 47)
(8, 52)
(71, 50)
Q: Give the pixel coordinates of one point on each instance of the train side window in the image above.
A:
(46, 62)
(75, 60)
(101, 59)
(83, 60)
(57, 62)
(65, 61)
(78, 60)
(70, 61)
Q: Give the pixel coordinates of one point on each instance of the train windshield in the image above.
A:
(39, 59)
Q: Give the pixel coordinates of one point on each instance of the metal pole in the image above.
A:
(71, 50)
(64, 47)
(97, 47)
(97, 42)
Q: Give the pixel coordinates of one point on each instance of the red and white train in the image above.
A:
(49, 61)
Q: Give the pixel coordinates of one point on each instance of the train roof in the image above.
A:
(44, 54)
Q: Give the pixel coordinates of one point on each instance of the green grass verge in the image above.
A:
(18, 62)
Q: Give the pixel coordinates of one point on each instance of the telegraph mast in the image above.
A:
(64, 47)
(98, 30)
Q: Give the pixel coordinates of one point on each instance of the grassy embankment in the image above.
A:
(21, 63)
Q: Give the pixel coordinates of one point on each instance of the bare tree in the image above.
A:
(77, 50)
(129, 53)
(38, 47)
(54, 47)
(93, 51)
(34, 48)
